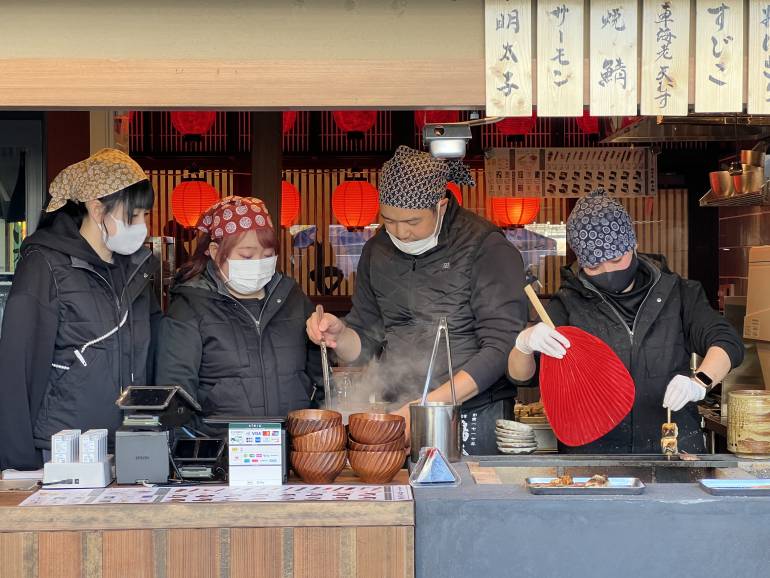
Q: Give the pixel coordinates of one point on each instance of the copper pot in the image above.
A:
(753, 158)
(749, 180)
(722, 184)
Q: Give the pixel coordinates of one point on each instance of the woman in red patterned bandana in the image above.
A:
(234, 335)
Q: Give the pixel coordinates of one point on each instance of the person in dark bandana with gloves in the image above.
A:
(651, 317)
(433, 259)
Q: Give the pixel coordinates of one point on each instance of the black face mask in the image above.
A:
(616, 281)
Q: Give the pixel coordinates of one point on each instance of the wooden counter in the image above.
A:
(222, 540)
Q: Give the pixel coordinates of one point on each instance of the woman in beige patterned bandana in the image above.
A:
(78, 324)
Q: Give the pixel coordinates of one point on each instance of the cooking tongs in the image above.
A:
(442, 327)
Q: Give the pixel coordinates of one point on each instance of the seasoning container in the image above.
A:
(748, 423)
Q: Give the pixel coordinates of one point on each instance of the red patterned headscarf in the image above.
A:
(233, 215)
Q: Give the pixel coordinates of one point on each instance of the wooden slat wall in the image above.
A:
(661, 226)
(661, 222)
(301, 552)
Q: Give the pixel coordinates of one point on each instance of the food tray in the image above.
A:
(750, 487)
(616, 487)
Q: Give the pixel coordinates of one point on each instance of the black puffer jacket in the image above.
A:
(233, 362)
(474, 277)
(674, 320)
(62, 357)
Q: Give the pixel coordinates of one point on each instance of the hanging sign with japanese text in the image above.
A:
(759, 57)
(613, 62)
(560, 58)
(508, 50)
(665, 57)
(719, 62)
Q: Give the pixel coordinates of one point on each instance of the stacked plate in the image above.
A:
(514, 437)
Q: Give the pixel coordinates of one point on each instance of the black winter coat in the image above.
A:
(233, 362)
(674, 321)
(474, 277)
(63, 361)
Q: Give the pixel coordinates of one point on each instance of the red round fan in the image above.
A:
(586, 393)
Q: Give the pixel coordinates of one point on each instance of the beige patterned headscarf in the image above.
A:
(100, 175)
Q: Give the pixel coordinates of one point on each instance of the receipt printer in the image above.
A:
(143, 442)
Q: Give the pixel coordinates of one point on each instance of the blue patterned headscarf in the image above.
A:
(599, 229)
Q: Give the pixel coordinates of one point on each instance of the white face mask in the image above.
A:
(248, 276)
(422, 245)
(127, 239)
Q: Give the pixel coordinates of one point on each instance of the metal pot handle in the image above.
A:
(442, 326)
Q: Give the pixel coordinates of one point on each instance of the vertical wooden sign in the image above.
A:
(719, 56)
(508, 57)
(759, 57)
(613, 62)
(560, 58)
(665, 57)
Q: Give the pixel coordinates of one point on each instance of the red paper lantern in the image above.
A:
(517, 125)
(289, 118)
(514, 211)
(190, 199)
(588, 124)
(355, 120)
(193, 123)
(423, 117)
(355, 203)
(456, 192)
(289, 204)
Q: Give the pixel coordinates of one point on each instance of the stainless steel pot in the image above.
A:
(436, 424)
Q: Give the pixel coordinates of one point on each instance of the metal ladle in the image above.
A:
(325, 362)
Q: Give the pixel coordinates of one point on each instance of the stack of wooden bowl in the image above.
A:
(376, 446)
(318, 444)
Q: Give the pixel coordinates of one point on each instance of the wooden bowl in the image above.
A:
(398, 444)
(318, 467)
(331, 439)
(304, 421)
(376, 428)
(377, 467)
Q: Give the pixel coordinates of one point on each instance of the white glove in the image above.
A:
(682, 390)
(544, 339)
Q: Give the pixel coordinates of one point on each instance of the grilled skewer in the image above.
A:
(669, 432)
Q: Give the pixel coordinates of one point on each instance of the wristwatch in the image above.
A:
(704, 380)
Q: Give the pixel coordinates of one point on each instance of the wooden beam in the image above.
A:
(266, 163)
(212, 84)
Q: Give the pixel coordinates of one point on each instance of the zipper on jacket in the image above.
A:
(118, 301)
(619, 316)
(258, 327)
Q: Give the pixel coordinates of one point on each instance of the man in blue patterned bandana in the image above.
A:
(651, 317)
(433, 259)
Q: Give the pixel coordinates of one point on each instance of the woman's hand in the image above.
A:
(682, 390)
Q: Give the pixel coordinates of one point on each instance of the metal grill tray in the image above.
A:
(749, 487)
(616, 487)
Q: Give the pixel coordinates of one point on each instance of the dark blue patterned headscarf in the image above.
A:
(599, 229)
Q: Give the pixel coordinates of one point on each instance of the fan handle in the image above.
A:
(535, 300)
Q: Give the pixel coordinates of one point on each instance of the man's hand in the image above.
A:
(327, 328)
